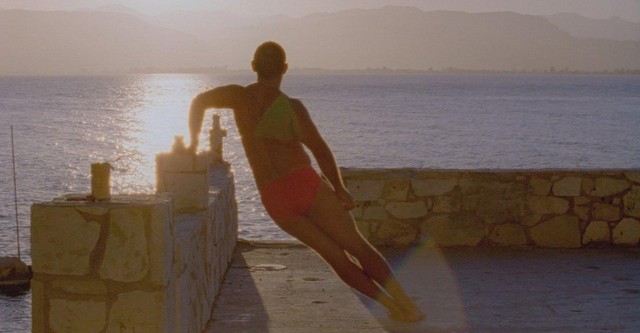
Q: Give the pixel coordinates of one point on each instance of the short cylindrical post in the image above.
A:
(216, 134)
(100, 187)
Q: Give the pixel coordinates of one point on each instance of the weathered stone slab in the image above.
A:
(395, 234)
(126, 257)
(444, 205)
(582, 212)
(169, 162)
(605, 187)
(457, 230)
(160, 244)
(375, 213)
(432, 187)
(38, 301)
(190, 190)
(93, 210)
(61, 240)
(579, 201)
(633, 176)
(540, 186)
(497, 210)
(605, 212)
(365, 190)
(560, 232)
(396, 189)
(596, 232)
(632, 202)
(548, 205)
(568, 187)
(80, 287)
(77, 316)
(627, 232)
(137, 311)
(407, 210)
(509, 235)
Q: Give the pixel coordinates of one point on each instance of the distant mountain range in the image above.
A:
(117, 39)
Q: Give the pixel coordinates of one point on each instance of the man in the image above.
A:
(274, 128)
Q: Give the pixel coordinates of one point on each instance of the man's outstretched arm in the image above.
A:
(322, 153)
(225, 97)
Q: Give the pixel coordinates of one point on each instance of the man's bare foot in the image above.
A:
(407, 316)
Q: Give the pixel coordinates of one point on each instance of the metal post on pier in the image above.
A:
(15, 191)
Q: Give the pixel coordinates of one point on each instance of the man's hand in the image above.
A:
(193, 147)
(345, 198)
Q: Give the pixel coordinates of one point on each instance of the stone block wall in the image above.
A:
(545, 208)
(136, 263)
(102, 266)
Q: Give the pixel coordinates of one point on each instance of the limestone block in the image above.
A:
(137, 311)
(396, 189)
(433, 187)
(364, 228)
(169, 162)
(496, 210)
(627, 232)
(444, 205)
(508, 234)
(365, 190)
(559, 232)
(579, 201)
(93, 210)
(407, 210)
(588, 185)
(530, 220)
(632, 202)
(633, 176)
(596, 232)
(582, 212)
(454, 230)
(80, 287)
(190, 190)
(396, 234)
(568, 187)
(38, 301)
(126, 257)
(375, 213)
(160, 244)
(61, 240)
(202, 162)
(540, 186)
(357, 212)
(605, 187)
(605, 212)
(548, 205)
(77, 316)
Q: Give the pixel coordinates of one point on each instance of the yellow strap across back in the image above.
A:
(279, 121)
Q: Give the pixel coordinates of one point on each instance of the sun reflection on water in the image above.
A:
(162, 115)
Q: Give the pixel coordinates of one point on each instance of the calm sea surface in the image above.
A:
(63, 124)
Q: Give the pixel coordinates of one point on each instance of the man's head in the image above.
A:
(270, 60)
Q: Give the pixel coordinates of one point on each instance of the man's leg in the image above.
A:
(329, 215)
(310, 234)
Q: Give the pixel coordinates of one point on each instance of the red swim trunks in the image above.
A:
(292, 195)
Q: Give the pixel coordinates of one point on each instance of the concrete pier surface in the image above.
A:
(290, 289)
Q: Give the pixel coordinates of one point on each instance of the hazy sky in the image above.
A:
(627, 9)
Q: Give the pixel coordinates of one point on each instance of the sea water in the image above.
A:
(507, 121)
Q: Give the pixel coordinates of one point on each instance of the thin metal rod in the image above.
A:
(15, 191)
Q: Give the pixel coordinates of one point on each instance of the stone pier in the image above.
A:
(136, 263)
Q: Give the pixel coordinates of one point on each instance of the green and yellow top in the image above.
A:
(279, 121)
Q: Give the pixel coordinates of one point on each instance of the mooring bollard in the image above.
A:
(100, 187)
